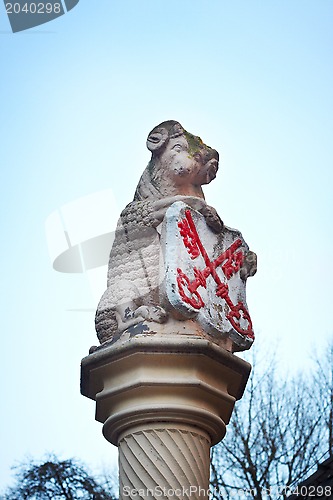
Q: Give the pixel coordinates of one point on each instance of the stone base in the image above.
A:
(163, 398)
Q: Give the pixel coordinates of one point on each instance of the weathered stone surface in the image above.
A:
(138, 286)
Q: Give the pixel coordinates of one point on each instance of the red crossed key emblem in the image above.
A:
(230, 262)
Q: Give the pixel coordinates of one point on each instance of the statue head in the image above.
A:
(180, 164)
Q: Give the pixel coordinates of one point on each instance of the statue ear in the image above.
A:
(157, 138)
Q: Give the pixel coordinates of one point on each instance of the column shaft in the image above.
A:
(166, 459)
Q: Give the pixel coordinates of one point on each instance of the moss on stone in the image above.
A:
(195, 143)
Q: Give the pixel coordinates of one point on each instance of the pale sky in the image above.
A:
(78, 98)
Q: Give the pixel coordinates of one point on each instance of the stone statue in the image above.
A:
(172, 256)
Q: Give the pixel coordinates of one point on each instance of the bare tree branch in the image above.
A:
(278, 431)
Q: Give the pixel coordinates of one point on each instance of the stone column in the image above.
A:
(165, 394)
(167, 457)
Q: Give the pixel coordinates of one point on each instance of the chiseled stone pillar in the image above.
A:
(164, 396)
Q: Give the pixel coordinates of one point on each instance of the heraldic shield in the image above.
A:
(202, 275)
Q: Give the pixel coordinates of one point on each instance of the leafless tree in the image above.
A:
(56, 479)
(323, 390)
(275, 436)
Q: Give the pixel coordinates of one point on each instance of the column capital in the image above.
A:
(159, 376)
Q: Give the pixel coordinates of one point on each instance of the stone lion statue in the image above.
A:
(180, 164)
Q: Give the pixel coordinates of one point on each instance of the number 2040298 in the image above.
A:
(33, 8)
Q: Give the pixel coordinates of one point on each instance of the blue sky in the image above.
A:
(78, 97)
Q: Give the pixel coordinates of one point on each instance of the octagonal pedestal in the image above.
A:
(164, 397)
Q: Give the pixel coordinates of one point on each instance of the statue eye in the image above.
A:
(178, 148)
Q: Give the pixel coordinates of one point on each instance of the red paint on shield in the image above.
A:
(229, 261)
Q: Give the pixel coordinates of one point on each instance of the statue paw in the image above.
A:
(249, 267)
(152, 313)
(213, 220)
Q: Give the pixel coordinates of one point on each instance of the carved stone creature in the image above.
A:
(181, 163)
